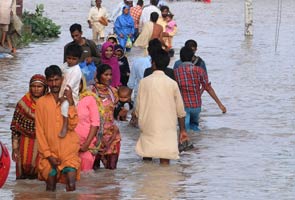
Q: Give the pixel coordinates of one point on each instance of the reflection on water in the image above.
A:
(247, 153)
(154, 182)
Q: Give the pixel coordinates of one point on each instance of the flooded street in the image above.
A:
(247, 153)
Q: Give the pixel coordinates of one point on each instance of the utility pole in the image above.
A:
(248, 18)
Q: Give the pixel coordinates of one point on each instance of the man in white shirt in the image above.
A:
(98, 20)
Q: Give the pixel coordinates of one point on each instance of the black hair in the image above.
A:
(186, 54)
(52, 70)
(161, 59)
(154, 17)
(102, 68)
(76, 27)
(124, 89)
(74, 50)
(191, 43)
(162, 8)
(154, 2)
(140, 2)
(154, 46)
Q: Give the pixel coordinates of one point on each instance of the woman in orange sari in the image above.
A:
(24, 144)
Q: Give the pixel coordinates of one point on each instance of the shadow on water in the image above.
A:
(244, 154)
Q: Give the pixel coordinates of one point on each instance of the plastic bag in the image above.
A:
(89, 71)
(129, 43)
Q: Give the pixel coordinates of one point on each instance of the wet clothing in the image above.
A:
(124, 25)
(190, 79)
(23, 130)
(89, 50)
(49, 123)
(88, 116)
(110, 138)
(159, 105)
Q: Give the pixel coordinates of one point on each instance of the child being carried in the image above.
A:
(124, 105)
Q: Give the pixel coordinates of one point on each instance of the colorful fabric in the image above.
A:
(170, 26)
(49, 122)
(110, 139)
(23, 131)
(38, 78)
(23, 121)
(112, 62)
(135, 13)
(190, 78)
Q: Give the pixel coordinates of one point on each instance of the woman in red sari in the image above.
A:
(24, 144)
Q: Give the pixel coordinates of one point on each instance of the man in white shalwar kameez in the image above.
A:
(158, 107)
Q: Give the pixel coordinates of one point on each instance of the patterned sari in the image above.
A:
(23, 130)
(110, 139)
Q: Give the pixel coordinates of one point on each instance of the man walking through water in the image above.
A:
(59, 159)
(158, 107)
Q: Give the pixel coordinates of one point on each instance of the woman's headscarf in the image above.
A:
(125, 20)
(127, 17)
(23, 121)
(39, 78)
(112, 62)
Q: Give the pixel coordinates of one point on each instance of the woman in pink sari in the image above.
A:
(108, 57)
(88, 125)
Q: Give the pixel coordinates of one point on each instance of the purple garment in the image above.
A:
(112, 62)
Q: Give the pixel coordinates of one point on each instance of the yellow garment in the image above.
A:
(158, 105)
(48, 125)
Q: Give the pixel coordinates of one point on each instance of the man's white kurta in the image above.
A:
(158, 105)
